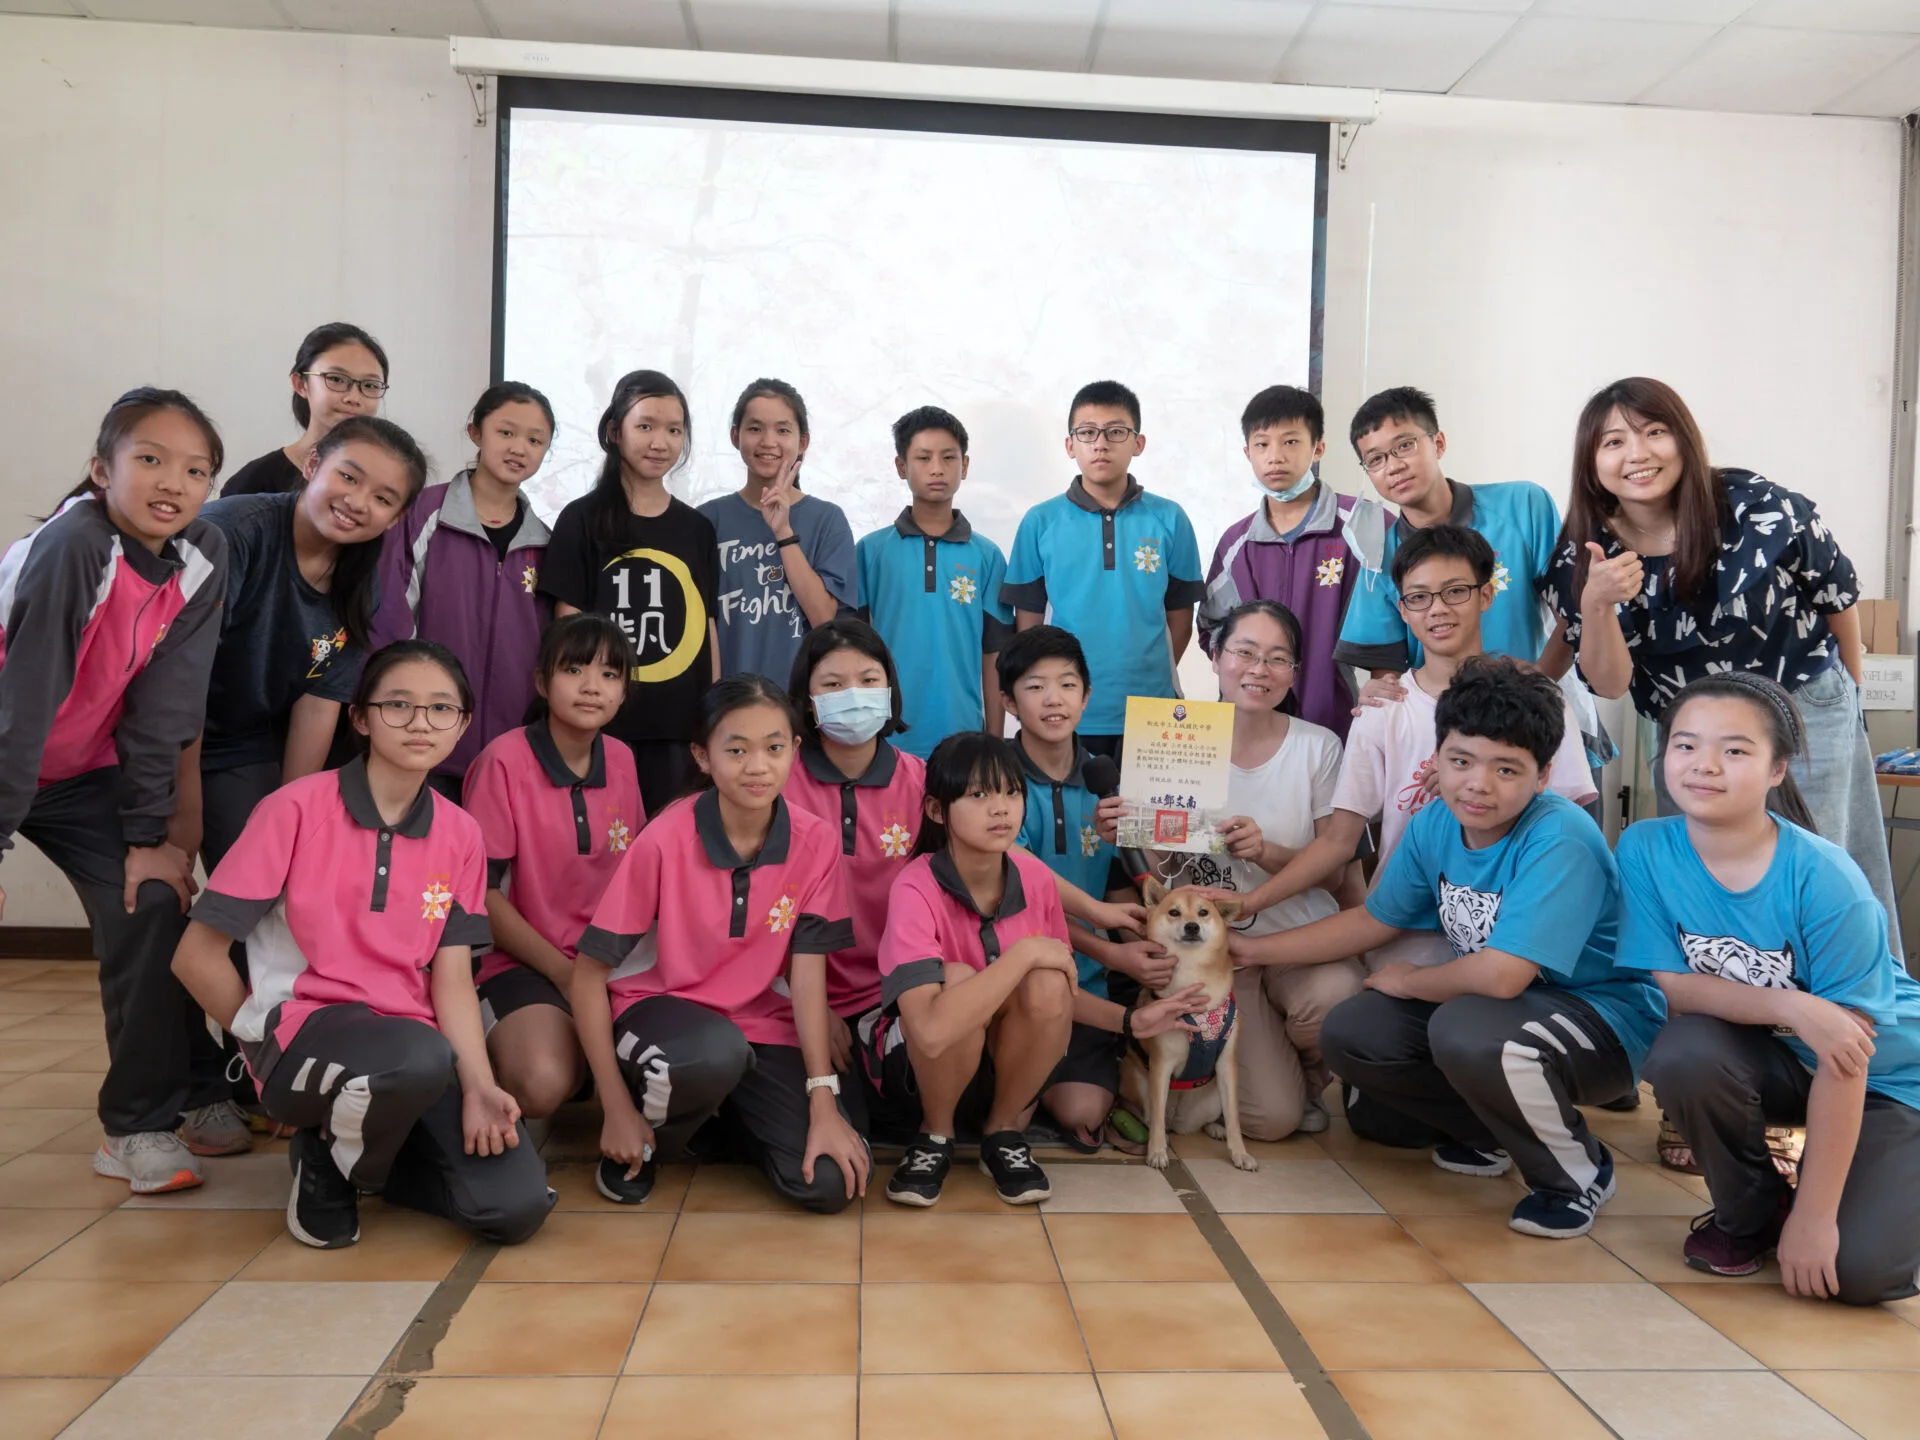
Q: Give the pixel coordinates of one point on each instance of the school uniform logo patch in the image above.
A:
(1732, 958)
(895, 842)
(1467, 916)
(1500, 578)
(780, 917)
(1089, 841)
(436, 900)
(961, 588)
(618, 835)
(322, 648)
(1146, 557)
(1330, 570)
(529, 578)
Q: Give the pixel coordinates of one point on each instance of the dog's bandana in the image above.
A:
(1203, 1049)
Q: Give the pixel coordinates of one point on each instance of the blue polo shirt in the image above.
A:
(1520, 522)
(935, 599)
(1060, 830)
(1109, 576)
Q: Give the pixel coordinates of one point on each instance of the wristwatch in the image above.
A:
(818, 1082)
(1126, 1022)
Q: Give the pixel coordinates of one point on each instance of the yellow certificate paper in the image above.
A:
(1174, 768)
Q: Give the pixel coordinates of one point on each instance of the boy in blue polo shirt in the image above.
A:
(931, 586)
(1119, 568)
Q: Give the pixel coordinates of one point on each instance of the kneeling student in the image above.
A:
(1788, 1006)
(362, 898)
(1494, 1048)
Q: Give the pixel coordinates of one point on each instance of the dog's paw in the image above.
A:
(1215, 1129)
(1159, 1159)
(1243, 1161)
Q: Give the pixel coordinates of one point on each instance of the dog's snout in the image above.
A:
(1191, 930)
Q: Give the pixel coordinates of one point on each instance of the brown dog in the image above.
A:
(1181, 1080)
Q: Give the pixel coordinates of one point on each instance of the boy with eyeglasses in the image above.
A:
(1117, 567)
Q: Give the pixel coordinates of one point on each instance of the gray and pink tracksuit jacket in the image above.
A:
(441, 579)
(105, 649)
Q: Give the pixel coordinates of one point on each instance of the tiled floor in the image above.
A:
(1127, 1307)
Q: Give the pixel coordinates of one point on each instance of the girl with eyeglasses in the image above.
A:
(339, 371)
(362, 898)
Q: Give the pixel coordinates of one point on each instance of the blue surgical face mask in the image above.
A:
(853, 717)
(1292, 492)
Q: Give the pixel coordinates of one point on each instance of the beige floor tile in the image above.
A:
(15, 1001)
(1111, 1189)
(24, 1057)
(1132, 1247)
(88, 1327)
(541, 1329)
(749, 1330)
(1634, 1135)
(1662, 1405)
(968, 1329)
(1791, 1334)
(87, 1005)
(1651, 1244)
(1908, 1309)
(61, 1182)
(1333, 1247)
(27, 1235)
(14, 971)
(70, 977)
(551, 1408)
(83, 1137)
(90, 1058)
(961, 1407)
(1338, 1142)
(622, 1247)
(40, 1025)
(40, 1409)
(174, 1407)
(394, 1244)
(916, 1245)
(1171, 1326)
(1236, 1407)
(1427, 1190)
(1201, 1146)
(51, 1090)
(1282, 1187)
(1610, 1327)
(27, 1128)
(573, 1182)
(1483, 1248)
(733, 1188)
(705, 1407)
(259, 1181)
(770, 1248)
(274, 1328)
(158, 1245)
(1649, 1190)
(967, 1191)
(1466, 1405)
(1375, 1326)
(1878, 1404)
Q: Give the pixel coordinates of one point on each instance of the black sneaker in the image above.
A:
(610, 1179)
(1556, 1216)
(921, 1172)
(1451, 1155)
(1007, 1160)
(324, 1209)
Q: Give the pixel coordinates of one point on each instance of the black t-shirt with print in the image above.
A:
(279, 639)
(272, 474)
(659, 584)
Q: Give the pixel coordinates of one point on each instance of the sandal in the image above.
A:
(1674, 1151)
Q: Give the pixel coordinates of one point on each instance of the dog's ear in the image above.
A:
(1153, 892)
(1229, 910)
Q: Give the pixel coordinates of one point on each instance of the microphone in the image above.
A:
(1103, 778)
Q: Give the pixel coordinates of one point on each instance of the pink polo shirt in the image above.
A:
(338, 906)
(554, 838)
(877, 817)
(932, 920)
(685, 916)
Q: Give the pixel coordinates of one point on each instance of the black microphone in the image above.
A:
(1103, 778)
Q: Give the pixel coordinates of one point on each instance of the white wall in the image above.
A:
(182, 204)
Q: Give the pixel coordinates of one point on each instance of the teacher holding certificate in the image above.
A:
(1280, 794)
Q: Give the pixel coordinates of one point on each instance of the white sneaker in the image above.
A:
(216, 1129)
(1313, 1118)
(151, 1161)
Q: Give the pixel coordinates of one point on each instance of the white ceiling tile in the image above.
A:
(38, 7)
(1701, 12)
(234, 14)
(1881, 15)
(658, 23)
(841, 29)
(1019, 34)
(1893, 92)
(1198, 39)
(1756, 67)
(427, 18)
(1492, 7)
(1389, 48)
(1549, 58)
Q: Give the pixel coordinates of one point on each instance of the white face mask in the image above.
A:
(1292, 492)
(853, 717)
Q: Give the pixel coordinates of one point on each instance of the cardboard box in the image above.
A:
(1880, 626)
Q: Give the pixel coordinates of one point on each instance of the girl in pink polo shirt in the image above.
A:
(361, 895)
(701, 983)
(558, 803)
(848, 695)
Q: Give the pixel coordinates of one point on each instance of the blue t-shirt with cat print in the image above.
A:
(1547, 892)
(1811, 923)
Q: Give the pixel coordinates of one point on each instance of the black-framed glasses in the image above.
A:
(1377, 461)
(1454, 595)
(399, 713)
(1248, 659)
(339, 384)
(1115, 434)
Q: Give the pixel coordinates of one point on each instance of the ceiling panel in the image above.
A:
(1549, 58)
(1883, 15)
(1702, 12)
(843, 29)
(39, 7)
(1491, 7)
(1201, 39)
(1391, 48)
(236, 14)
(1015, 33)
(1893, 92)
(657, 23)
(426, 18)
(1755, 67)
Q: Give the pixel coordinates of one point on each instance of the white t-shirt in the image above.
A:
(1284, 797)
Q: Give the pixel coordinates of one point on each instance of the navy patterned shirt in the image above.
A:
(1779, 575)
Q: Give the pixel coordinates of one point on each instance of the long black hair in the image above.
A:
(321, 339)
(847, 632)
(356, 567)
(607, 508)
(964, 761)
(399, 653)
(578, 639)
(1786, 731)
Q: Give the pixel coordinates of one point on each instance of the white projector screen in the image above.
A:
(879, 268)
